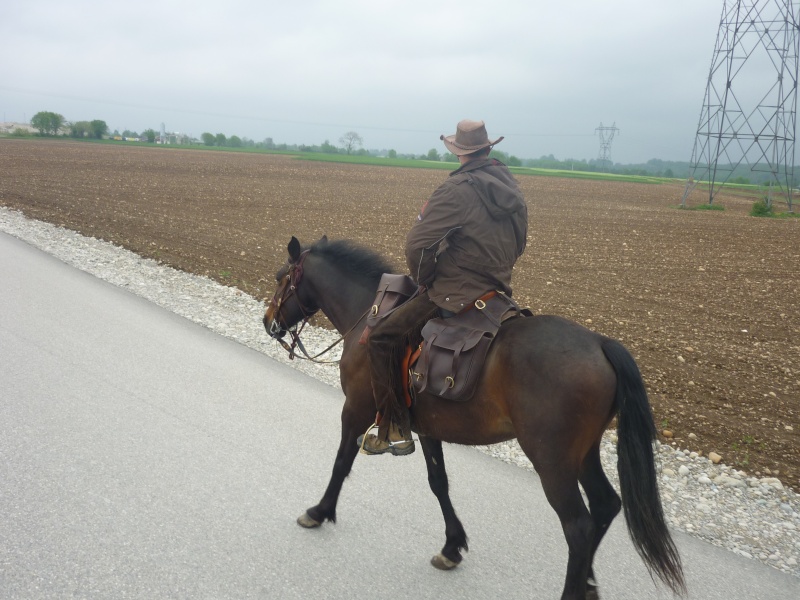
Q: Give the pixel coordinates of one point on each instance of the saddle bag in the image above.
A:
(451, 359)
(454, 349)
(393, 292)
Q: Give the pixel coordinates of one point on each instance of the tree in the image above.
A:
(208, 139)
(235, 141)
(328, 148)
(150, 134)
(499, 155)
(433, 154)
(48, 123)
(392, 154)
(350, 140)
(221, 140)
(99, 129)
(80, 129)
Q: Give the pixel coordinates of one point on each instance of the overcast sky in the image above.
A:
(543, 74)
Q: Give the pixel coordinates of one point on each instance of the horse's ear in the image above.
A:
(323, 240)
(294, 249)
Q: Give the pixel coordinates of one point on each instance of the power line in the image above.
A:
(184, 110)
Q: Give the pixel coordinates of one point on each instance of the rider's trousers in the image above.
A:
(387, 344)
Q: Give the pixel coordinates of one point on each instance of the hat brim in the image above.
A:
(459, 150)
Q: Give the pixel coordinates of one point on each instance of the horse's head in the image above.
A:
(290, 305)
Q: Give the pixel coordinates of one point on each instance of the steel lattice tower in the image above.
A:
(750, 102)
(606, 135)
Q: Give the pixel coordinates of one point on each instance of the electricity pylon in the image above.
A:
(749, 108)
(606, 135)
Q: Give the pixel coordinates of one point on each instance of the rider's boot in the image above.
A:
(397, 442)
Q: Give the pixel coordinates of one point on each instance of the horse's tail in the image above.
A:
(636, 432)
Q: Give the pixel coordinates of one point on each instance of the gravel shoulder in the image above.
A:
(756, 517)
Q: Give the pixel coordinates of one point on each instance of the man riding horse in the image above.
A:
(463, 244)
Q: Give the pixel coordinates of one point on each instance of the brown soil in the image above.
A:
(707, 301)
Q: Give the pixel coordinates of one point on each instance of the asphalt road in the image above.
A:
(142, 456)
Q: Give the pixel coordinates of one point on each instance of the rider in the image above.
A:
(463, 244)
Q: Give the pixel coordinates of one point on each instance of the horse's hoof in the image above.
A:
(307, 522)
(441, 562)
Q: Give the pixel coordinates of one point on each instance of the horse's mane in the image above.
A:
(351, 257)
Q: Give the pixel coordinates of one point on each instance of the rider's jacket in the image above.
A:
(468, 235)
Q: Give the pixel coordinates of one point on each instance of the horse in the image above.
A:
(547, 381)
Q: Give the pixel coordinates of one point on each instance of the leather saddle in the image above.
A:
(450, 359)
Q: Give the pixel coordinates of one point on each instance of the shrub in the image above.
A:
(761, 209)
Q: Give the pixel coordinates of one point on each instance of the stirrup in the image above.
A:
(363, 437)
(399, 448)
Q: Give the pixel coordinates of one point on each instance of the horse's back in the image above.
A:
(554, 373)
(547, 340)
(541, 374)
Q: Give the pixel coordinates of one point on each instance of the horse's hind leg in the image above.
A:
(604, 505)
(455, 536)
(560, 484)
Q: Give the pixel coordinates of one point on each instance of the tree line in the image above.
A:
(351, 143)
(49, 123)
(52, 123)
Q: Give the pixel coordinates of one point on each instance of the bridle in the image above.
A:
(286, 290)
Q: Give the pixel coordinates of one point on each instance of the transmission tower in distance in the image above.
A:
(749, 108)
(606, 135)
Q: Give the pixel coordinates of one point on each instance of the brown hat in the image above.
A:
(470, 137)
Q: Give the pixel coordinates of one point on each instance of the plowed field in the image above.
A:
(707, 301)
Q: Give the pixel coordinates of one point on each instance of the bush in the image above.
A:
(761, 209)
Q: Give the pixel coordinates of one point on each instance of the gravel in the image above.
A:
(758, 518)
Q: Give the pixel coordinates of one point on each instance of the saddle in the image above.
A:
(450, 358)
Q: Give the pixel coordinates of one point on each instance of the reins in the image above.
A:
(296, 341)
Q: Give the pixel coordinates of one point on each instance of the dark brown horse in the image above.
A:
(551, 383)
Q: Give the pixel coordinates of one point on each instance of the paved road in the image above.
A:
(142, 456)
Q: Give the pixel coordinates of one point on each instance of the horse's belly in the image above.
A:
(478, 421)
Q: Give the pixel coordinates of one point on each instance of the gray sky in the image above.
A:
(543, 74)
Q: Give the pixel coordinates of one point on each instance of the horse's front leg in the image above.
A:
(455, 536)
(326, 509)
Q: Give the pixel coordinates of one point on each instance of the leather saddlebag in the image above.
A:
(451, 360)
(393, 292)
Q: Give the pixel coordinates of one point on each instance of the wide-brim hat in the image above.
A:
(470, 136)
